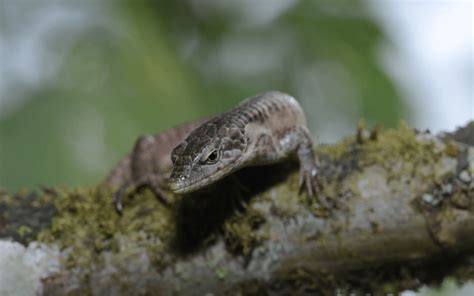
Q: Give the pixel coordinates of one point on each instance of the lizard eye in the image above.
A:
(212, 157)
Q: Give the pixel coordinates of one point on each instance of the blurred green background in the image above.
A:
(134, 67)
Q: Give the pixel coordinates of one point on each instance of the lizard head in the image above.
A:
(209, 153)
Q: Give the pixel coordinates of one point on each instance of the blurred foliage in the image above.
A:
(144, 66)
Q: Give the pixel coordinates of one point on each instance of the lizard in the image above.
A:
(263, 129)
(149, 164)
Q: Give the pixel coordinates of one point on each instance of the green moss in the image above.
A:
(239, 232)
(400, 152)
(22, 215)
(451, 149)
(337, 150)
(24, 230)
(394, 145)
(86, 224)
(6, 198)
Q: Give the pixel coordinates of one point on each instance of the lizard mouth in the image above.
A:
(184, 187)
(183, 184)
(181, 188)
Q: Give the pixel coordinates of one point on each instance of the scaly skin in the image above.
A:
(149, 164)
(263, 129)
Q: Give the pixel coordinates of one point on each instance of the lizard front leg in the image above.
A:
(308, 164)
(146, 171)
(297, 140)
(117, 197)
(153, 182)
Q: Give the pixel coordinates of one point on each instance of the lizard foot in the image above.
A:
(309, 180)
(121, 192)
(118, 197)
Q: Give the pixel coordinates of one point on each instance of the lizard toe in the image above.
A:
(117, 197)
(118, 200)
(310, 181)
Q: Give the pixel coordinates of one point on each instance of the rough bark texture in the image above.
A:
(398, 213)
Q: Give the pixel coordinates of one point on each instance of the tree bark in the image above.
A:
(395, 212)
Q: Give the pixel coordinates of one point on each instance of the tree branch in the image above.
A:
(398, 213)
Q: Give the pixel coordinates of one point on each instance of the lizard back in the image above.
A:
(249, 134)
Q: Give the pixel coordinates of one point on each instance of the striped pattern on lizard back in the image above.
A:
(263, 129)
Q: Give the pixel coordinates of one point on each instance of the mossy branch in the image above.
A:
(398, 213)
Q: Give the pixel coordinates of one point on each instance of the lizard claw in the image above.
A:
(119, 194)
(309, 179)
(118, 198)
